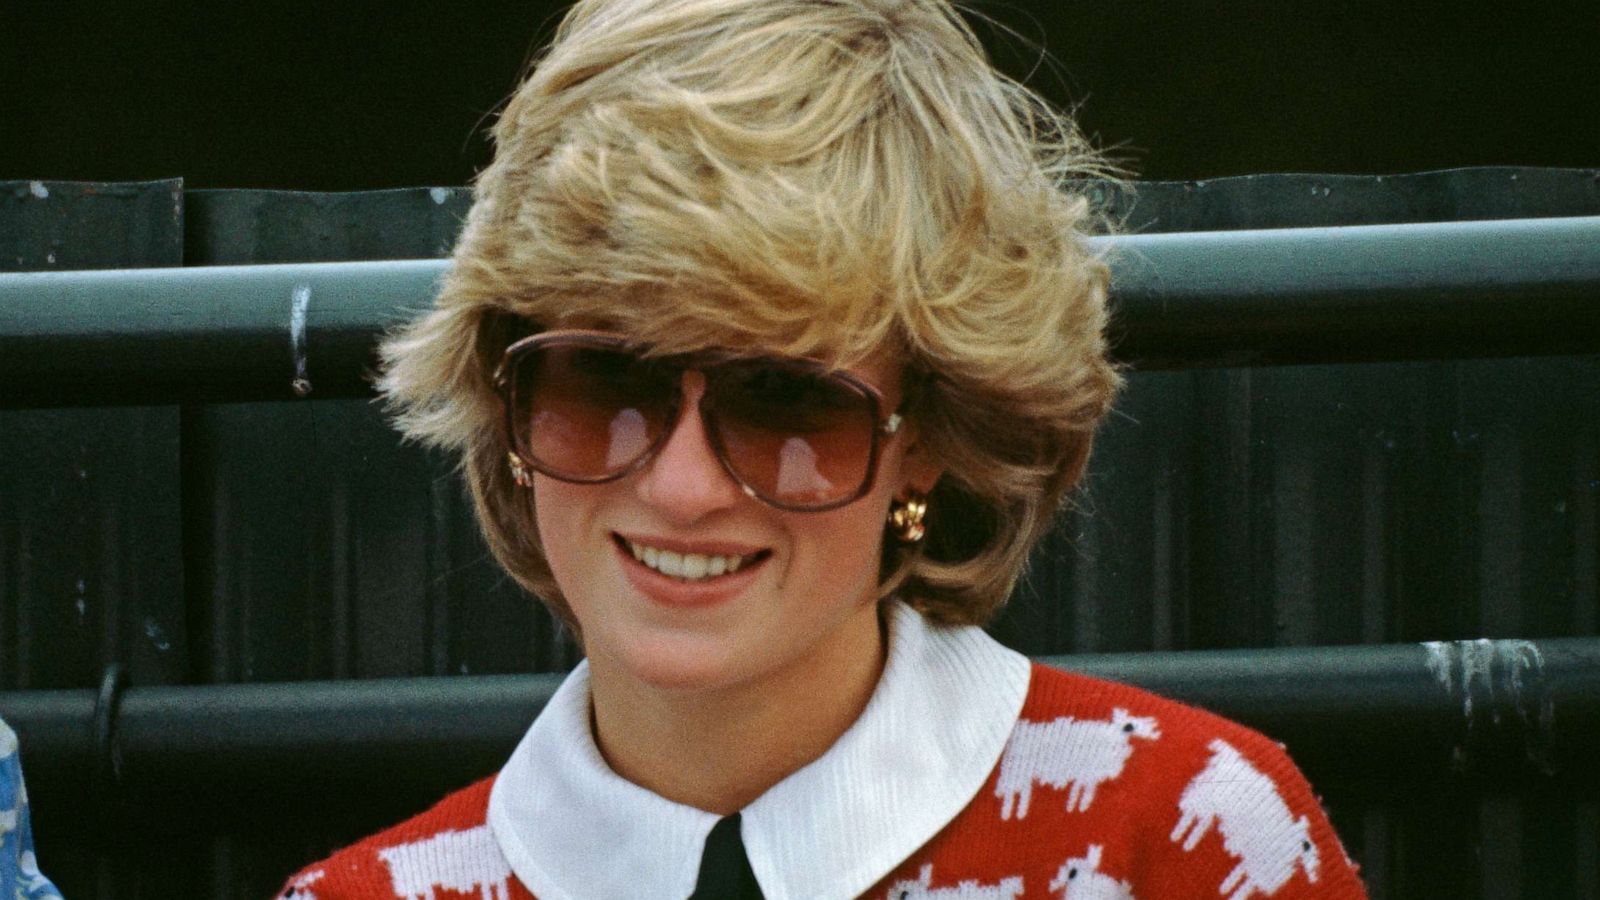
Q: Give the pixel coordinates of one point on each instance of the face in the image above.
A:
(803, 592)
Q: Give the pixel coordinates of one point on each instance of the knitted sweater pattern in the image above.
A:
(1103, 792)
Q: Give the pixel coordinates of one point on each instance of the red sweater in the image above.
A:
(1103, 792)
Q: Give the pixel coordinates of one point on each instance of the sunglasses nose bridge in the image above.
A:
(688, 394)
(691, 387)
(687, 474)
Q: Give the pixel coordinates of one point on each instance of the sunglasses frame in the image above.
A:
(884, 426)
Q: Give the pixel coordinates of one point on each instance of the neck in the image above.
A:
(718, 749)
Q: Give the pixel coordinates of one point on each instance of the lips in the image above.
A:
(681, 593)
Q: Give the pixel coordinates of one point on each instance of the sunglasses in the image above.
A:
(589, 407)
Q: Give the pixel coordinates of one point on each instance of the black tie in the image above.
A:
(725, 870)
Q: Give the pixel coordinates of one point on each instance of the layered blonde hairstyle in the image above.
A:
(823, 178)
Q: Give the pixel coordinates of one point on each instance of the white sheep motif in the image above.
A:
(300, 888)
(1007, 889)
(1067, 753)
(1080, 878)
(467, 862)
(1257, 826)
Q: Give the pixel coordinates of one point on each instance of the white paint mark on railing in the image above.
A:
(299, 304)
(1439, 664)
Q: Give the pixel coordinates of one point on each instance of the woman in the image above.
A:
(770, 349)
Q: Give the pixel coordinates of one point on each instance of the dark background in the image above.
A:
(360, 94)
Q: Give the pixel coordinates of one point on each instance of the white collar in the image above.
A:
(921, 750)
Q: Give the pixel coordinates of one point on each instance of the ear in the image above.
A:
(918, 471)
(920, 474)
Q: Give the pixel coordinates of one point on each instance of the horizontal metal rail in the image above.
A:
(1302, 295)
(1498, 710)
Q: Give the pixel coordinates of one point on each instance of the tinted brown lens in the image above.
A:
(797, 438)
(588, 413)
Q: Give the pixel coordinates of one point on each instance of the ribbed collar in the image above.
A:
(930, 735)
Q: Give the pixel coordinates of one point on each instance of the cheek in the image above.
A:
(847, 545)
(559, 519)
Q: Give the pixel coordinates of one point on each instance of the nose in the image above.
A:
(685, 482)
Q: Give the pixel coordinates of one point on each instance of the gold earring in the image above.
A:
(906, 517)
(519, 471)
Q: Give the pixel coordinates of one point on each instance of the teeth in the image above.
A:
(687, 566)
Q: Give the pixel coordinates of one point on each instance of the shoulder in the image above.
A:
(1211, 794)
(1108, 790)
(1104, 741)
(1154, 744)
(449, 846)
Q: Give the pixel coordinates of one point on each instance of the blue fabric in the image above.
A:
(20, 878)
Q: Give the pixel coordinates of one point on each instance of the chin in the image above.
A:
(679, 663)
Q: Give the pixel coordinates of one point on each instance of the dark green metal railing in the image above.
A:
(1302, 295)
(1501, 709)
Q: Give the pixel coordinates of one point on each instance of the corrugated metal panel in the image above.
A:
(83, 225)
(336, 552)
(1301, 201)
(250, 227)
(1226, 508)
(89, 528)
(1330, 504)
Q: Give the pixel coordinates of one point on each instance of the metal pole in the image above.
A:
(1497, 709)
(1303, 295)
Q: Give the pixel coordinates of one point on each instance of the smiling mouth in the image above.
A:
(688, 567)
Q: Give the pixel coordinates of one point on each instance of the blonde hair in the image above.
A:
(828, 178)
